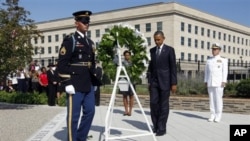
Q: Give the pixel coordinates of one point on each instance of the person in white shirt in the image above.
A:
(216, 72)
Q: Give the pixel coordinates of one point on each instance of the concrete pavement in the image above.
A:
(182, 125)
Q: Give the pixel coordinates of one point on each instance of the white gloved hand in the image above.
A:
(70, 89)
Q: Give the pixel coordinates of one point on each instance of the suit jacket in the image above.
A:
(52, 77)
(216, 71)
(164, 69)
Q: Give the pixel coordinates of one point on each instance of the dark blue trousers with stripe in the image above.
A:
(77, 104)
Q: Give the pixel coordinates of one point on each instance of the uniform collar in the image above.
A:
(217, 56)
(80, 33)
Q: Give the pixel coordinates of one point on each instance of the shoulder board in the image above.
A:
(68, 36)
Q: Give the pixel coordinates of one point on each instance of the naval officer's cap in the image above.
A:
(216, 46)
(82, 16)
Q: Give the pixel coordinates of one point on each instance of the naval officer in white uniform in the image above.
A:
(216, 72)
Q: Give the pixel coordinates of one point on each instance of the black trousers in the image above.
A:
(97, 96)
(159, 107)
(52, 94)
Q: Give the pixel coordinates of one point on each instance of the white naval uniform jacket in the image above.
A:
(216, 71)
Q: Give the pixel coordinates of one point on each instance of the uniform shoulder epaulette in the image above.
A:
(68, 36)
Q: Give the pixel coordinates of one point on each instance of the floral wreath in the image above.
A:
(130, 39)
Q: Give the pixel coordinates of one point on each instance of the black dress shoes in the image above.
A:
(160, 133)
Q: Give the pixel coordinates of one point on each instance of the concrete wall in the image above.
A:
(240, 106)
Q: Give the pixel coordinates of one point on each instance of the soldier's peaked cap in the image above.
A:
(82, 15)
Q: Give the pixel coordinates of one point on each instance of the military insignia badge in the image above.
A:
(63, 51)
(219, 61)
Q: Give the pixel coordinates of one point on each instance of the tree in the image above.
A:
(128, 38)
(16, 32)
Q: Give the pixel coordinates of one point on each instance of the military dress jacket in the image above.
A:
(76, 62)
(216, 71)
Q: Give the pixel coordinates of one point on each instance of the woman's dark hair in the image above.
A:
(126, 51)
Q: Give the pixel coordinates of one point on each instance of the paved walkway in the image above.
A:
(44, 123)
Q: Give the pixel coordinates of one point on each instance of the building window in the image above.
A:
(189, 57)
(57, 37)
(196, 57)
(208, 32)
(49, 38)
(106, 30)
(49, 50)
(189, 28)
(42, 50)
(242, 52)
(56, 49)
(238, 40)
(64, 35)
(42, 39)
(182, 55)
(229, 49)
(182, 40)
(238, 51)
(148, 27)
(97, 33)
(224, 36)
(208, 45)
(159, 26)
(202, 58)
(246, 52)
(233, 50)
(219, 35)
(202, 44)
(196, 29)
(96, 44)
(242, 41)
(137, 26)
(202, 31)
(35, 40)
(149, 41)
(189, 42)
(234, 39)
(196, 43)
(36, 50)
(182, 26)
(246, 42)
(214, 34)
(89, 34)
(224, 48)
(229, 38)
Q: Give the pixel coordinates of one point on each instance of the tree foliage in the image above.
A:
(128, 38)
(16, 32)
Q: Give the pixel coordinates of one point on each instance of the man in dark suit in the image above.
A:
(52, 84)
(76, 65)
(162, 79)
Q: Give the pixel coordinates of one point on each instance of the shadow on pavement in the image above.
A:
(190, 115)
(8, 106)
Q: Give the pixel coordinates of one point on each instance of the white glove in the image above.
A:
(70, 89)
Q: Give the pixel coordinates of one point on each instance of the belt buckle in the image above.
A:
(89, 64)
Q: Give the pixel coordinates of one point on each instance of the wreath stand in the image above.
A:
(109, 115)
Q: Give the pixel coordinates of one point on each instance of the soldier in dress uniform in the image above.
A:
(216, 72)
(76, 66)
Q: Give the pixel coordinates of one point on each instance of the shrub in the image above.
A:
(62, 100)
(243, 88)
(28, 98)
(186, 86)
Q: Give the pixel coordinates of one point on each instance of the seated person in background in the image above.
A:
(9, 88)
